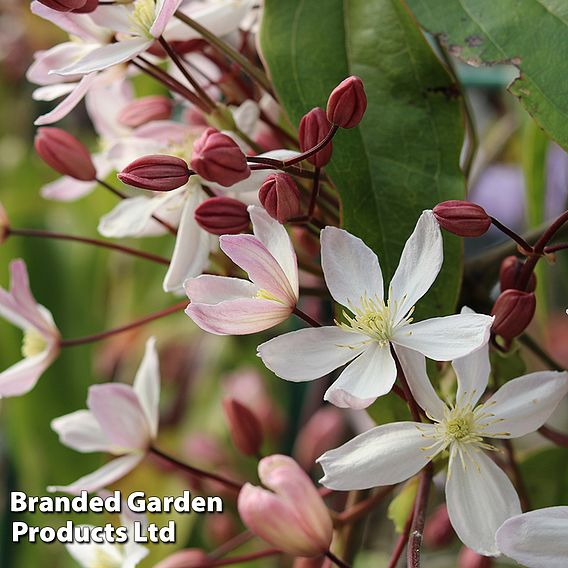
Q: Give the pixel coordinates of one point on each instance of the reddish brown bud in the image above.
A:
(438, 531)
(280, 196)
(462, 218)
(64, 5)
(145, 110)
(4, 225)
(314, 127)
(509, 273)
(244, 426)
(513, 311)
(222, 216)
(65, 154)
(217, 157)
(347, 103)
(470, 559)
(157, 172)
(88, 7)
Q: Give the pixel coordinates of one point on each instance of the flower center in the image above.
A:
(33, 343)
(143, 16)
(104, 560)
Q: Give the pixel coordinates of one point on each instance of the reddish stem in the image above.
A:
(336, 560)
(401, 542)
(306, 317)
(558, 438)
(419, 517)
(353, 514)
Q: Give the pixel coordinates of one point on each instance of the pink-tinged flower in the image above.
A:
(479, 496)
(233, 306)
(538, 539)
(372, 323)
(41, 337)
(292, 516)
(122, 420)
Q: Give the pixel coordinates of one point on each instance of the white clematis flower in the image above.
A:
(538, 539)
(372, 322)
(479, 495)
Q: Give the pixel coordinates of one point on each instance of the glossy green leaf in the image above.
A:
(530, 34)
(403, 158)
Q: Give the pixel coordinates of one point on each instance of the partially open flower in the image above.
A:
(146, 109)
(513, 311)
(462, 218)
(280, 196)
(292, 516)
(65, 154)
(509, 272)
(244, 426)
(4, 225)
(222, 216)
(347, 103)
(157, 172)
(314, 127)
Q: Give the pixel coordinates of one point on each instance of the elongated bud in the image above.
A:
(65, 154)
(292, 517)
(470, 559)
(4, 225)
(222, 216)
(513, 311)
(509, 273)
(244, 426)
(156, 172)
(347, 103)
(144, 110)
(438, 531)
(184, 559)
(217, 157)
(280, 196)
(64, 5)
(314, 127)
(462, 218)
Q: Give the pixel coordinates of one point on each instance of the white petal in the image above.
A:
(147, 385)
(523, 405)
(67, 189)
(537, 539)
(479, 498)
(246, 116)
(420, 263)
(414, 366)
(81, 431)
(472, 372)
(102, 477)
(87, 553)
(52, 92)
(447, 338)
(382, 456)
(369, 376)
(350, 267)
(23, 376)
(308, 354)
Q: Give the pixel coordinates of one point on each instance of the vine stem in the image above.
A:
(308, 319)
(337, 561)
(510, 233)
(196, 471)
(104, 334)
(37, 233)
(555, 436)
(401, 542)
(419, 517)
(358, 511)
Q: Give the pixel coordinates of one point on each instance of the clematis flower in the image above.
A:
(479, 495)
(41, 337)
(122, 420)
(372, 323)
(233, 306)
(538, 539)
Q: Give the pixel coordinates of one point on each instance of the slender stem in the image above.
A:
(232, 544)
(315, 193)
(255, 73)
(237, 559)
(196, 471)
(263, 163)
(533, 346)
(510, 233)
(517, 475)
(555, 248)
(555, 436)
(104, 334)
(85, 240)
(413, 407)
(306, 317)
(401, 542)
(417, 528)
(308, 153)
(337, 561)
(358, 511)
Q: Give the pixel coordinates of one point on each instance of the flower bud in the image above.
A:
(314, 127)
(88, 7)
(470, 559)
(280, 196)
(4, 225)
(184, 559)
(462, 218)
(144, 110)
(64, 5)
(513, 311)
(438, 531)
(347, 103)
(222, 216)
(157, 172)
(245, 428)
(509, 272)
(318, 562)
(292, 518)
(217, 157)
(65, 154)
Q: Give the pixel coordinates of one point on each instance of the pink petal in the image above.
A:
(210, 289)
(81, 431)
(67, 189)
(165, 10)
(147, 385)
(22, 377)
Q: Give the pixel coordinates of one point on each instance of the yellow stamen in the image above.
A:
(33, 343)
(263, 294)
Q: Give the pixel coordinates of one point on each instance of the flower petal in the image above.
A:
(102, 477)
(414, 366)
(316, 352)
(147, 385)
(523, 405)
(381, 456)
(86, 553)
(472, 372)
(447, 338)
(238, 317)
(165, 10)
(81, 431)
(536, 539)
(479, 497)
(211, 289)
(351, 269)
(23, 376)
(67, 189)
(419, 264)
(369, 376)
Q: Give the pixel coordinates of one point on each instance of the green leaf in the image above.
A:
(404, 156)
(545, 475)
(486, 31)
(401, 506)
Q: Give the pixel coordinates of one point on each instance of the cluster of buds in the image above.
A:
(76, 6)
